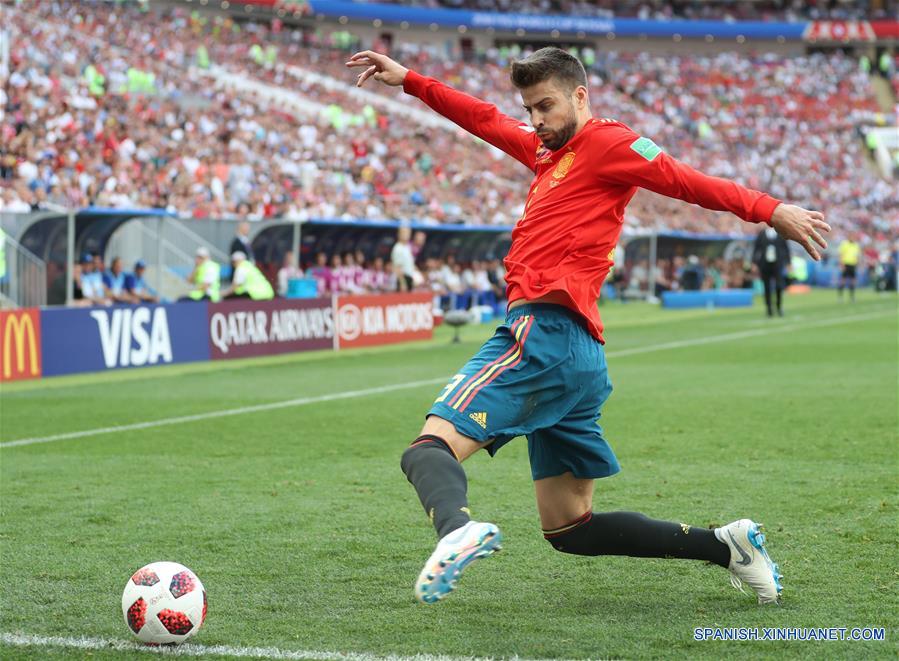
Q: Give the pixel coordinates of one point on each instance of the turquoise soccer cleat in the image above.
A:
(453, 554)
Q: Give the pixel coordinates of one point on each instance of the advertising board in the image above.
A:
(365, 321)
(97, 339)
(20, 344)
(242, 328)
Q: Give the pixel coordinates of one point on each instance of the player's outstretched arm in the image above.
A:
(632, 160)
(802, 226)
(379, 66)
(474, 115)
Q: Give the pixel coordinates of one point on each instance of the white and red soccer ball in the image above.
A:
(164, 603)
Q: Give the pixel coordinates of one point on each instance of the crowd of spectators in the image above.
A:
(741, 269)
(350, 273)
(97, 285)
(453, 284)
(457, 286)
(663, 10)
(691, 273)
(104, 108)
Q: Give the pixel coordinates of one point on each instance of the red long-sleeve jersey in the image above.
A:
(565, 240)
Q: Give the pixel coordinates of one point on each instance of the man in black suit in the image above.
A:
(771, 255)
(241, 242)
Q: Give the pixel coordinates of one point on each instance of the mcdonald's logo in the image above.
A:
(20, 344)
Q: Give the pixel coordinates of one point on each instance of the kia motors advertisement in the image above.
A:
(365, 321)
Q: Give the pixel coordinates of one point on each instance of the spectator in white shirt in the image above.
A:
(402, 260)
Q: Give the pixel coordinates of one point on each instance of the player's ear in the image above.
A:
(581, 97)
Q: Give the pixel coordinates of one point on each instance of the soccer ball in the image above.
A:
(164, 603)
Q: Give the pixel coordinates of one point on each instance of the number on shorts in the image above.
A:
(456, 380)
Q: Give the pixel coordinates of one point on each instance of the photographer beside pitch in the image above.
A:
(543, 374)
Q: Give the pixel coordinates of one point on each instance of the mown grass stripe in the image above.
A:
(351, 394)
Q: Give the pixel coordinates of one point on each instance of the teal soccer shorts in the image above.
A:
(541, 375)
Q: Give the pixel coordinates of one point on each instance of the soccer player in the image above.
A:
(543, 374)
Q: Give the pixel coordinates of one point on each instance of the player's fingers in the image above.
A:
(361, 62)
(810, 249)
(364, 53)
(817, 238)
(817, 215)
(821, 225)
(365, 75)
(370, 57)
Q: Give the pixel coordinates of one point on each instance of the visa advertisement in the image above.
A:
(97, 339)
(54, 341)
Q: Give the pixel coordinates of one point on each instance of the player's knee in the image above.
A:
(576, 541)
(422, 447)
(571, 542)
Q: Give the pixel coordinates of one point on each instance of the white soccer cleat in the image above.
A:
(749, 561)
(454, 553)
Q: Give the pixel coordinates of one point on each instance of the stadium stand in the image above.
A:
(756, 10)
(129, 112)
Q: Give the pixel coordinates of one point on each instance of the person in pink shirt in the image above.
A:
(322, 273)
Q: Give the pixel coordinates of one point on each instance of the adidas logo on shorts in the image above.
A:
(480, 418)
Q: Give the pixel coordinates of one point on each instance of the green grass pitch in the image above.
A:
(307, 536)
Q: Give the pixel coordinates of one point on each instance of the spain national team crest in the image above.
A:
(563, 166)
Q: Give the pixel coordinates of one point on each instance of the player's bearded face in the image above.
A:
(552, 112)
(559, 134)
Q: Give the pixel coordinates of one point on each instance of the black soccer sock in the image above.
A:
(432, 468)
(636, 535)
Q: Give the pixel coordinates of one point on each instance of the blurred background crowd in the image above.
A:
(741, 10)
(123, 107)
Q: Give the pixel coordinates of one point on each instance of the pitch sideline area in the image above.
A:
(308, 539)
(351, 394)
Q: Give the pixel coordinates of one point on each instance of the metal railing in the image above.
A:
(167, 246)
(178, 233)
(23, 276)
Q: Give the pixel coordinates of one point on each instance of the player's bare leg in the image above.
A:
(433, 465)
(565, 504)
(562, 499)
(463, 446)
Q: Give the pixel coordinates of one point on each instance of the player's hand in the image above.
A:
(802, 226)
(380, 66)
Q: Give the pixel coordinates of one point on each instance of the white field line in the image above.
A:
(351, 394)
(194, 649)
(739, 335)
(300, 401)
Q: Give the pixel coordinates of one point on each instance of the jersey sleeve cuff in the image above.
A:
(414, 83)
(764, 209)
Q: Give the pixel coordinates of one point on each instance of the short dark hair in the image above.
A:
(546, 63)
